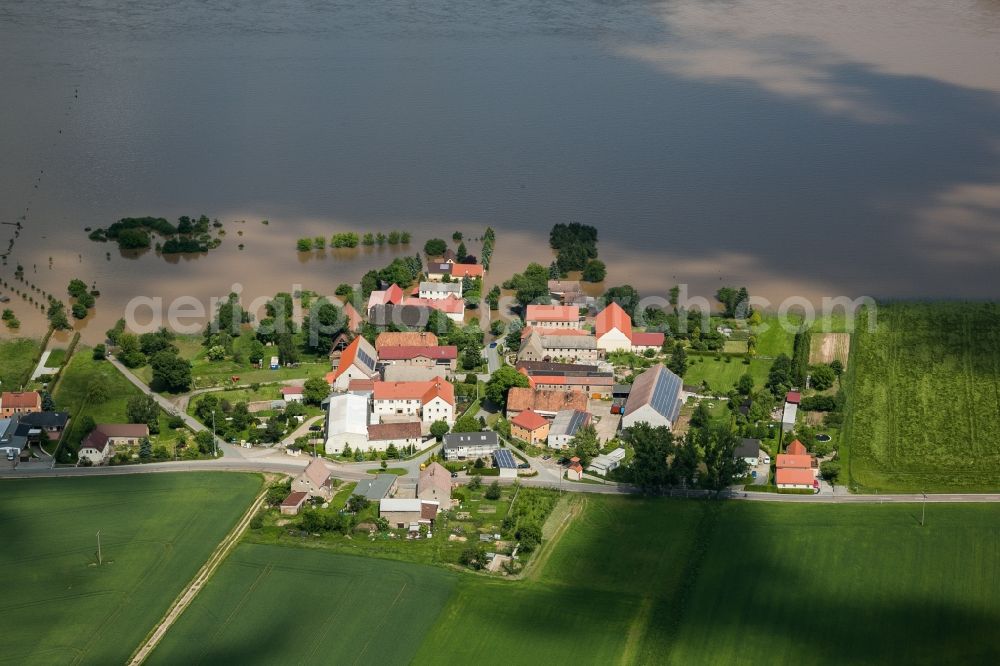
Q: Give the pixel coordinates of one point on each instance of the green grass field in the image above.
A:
(269, 605)
(156, 532)
(206, 373)
(18, 356)
(722, 376)
(71, 395)
(671, 582)
(924, 399)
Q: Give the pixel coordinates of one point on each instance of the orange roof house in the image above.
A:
(559, 315)
(794, 478)
(12, 402)
(786, 461)
(357, 361)
(529, 426)
(405, 339)
(423, 391)
(466, 271)
(543, 401)
(610, 318)
(796, 448)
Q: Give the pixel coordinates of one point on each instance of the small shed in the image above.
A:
(292, 504)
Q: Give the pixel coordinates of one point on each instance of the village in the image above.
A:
(564, 392)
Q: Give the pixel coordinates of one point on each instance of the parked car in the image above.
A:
(524, 466)
(315, 428)
(454, 475)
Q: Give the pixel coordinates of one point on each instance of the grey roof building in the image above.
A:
(655, 398)
(565, 425)
(378, 488)
(470, 444)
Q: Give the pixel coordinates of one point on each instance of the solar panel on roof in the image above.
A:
(504, 459)
(365, 358)
(665, 395)
(575, 422)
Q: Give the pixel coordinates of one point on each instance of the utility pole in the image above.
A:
(923, 510)
(100, 560)
(215, 443)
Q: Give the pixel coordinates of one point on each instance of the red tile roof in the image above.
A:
(446, 352)
(423, 391)
(610, 318)
(786, 461)
(380, 432)
(447, 305)
(796, 448)
(520, 399)
(394, 294)
(793, 397)
(346, 359)
(17, 400)
(794, 476)
(405, 339)
(466, 270)
(529, 420)
(552, 313)
(292, 390)
(648, 339)
(294, 499)
(361, 385)
(354, 318)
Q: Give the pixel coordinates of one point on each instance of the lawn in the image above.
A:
(269, 605)
(71, 396)
(18, 356)
(156, 532)
(923, 399)
(206, 373)
(723, 374)
(56, 358)
(659, 581)
(775, 339)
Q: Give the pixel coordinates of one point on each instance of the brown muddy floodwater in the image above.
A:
(802, 148)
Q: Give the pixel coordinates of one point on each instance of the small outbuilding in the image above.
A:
(292, 504)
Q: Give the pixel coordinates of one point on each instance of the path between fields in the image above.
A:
(189, 593)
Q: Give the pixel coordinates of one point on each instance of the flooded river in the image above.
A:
(802, 148)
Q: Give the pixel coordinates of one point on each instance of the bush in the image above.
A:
(435, 247)
(493, 492)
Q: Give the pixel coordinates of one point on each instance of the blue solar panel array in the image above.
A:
(504, 459)
(666, 395)
(576, 421)
(366, 359)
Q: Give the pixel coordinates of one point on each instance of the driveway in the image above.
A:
(606, 423)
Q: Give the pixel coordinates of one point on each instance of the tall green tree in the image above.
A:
(501, 382)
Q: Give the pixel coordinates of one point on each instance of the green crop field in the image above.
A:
(271, 604)
(156, 531)
(672, 582)
(924, 399)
